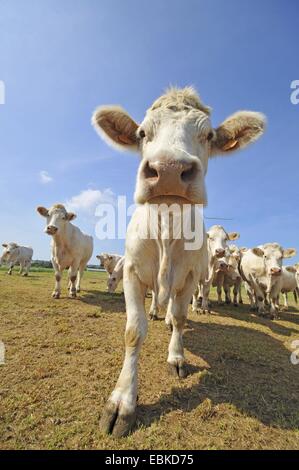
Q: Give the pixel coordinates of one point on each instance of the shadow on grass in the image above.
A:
(242, 313)
(107, 302)
(248, 369)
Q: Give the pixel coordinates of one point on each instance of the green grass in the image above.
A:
(63, 358)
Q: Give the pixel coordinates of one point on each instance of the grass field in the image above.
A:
(63, 358)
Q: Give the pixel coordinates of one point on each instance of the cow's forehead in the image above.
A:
(273, 249)
(217, 230)
(179, 99)
(57, 209)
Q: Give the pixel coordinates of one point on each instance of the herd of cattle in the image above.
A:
(229, 267)
(175, 141)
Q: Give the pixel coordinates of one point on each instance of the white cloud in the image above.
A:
(44, 177)
(88, 199)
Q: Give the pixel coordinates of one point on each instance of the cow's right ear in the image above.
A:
(258, 251)
(4, 245)
(42, 211)
(116, 127)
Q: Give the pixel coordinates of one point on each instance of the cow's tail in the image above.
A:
(295, 292)
(164, 274)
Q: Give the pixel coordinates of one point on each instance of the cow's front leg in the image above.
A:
(73, 272)
(58, 273)
(285, 298)
(10, 268)
(179, 308)
(119, 414)
(21, 269)
(197, 299)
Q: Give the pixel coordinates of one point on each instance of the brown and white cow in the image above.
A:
(71, 249)
(175, 141)
(261, 267)
(16, 254)
(217, 240)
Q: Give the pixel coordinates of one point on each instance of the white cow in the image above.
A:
(288, 283)
(261, 268)
(175, 141)
(15, 254)
(232, 278)
(217, 239)
(71, 249)
(116, 276)
(108, 261)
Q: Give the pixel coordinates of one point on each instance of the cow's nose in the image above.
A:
(223, 265)
(179, 171)
(219, 252)
(275, 270)
(51, 229)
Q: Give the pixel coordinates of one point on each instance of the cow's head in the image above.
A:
(105, 259)
(112, 282)
(57, 218)
(296, 266)
(233, 259)
(9, 249)
(217, 241)
(175, 140)
(273, 254)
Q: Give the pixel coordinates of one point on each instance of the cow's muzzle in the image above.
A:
(275, 271)
(51, 229)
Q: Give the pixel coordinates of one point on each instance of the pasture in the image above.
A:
(63, 358)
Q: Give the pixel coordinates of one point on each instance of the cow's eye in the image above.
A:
(210, 136)
(141, 134)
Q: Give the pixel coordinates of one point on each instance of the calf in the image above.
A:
(71, 249)
(217, 239)
(108, 261)
(175, 141)
(15, 254)
(261, 268)
(232, 278)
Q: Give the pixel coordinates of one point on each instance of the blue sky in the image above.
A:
(59, 59)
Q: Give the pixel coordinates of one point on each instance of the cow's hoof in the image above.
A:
(25, 274)
(235, 304)
(117, 423)
(228, 302)
(56, 295)
(72, 294)
(220, 303)
(153, 316)
(240, 301)
(178, 370)
(78, 290)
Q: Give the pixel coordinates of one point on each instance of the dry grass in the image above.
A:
(63, 358)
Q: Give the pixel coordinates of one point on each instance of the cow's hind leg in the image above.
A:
(79, 276)
(153, 313)
(10, 269)
(119, 414)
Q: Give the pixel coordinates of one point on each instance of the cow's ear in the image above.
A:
(116, 127)
(70, 216)
(258, 251)
(243, 249)
(4, 245)
(296, 266)
(289, 252)
(42, 211)
(233, 236)
(291, 269)
(237, 131)
(98, 256)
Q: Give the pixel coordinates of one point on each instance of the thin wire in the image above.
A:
(216, 218)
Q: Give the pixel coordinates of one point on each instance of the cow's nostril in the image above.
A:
(189, 174)
(150, 172)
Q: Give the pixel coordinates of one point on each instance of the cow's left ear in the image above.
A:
(42, 211)
(233, 236)
(70, 216)
(237, 131)
(4, 245)
(289, 252)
